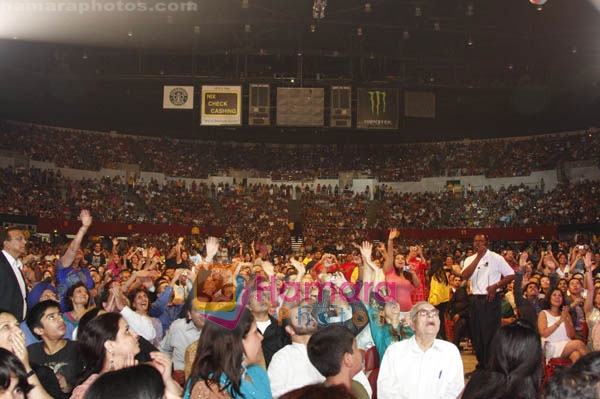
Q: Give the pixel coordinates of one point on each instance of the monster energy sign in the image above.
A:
(377, 109)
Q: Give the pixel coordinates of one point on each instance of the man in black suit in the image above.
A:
(13, 290)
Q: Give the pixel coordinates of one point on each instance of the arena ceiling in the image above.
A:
(439, 40)
(506, 63)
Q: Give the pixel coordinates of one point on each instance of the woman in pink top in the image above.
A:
(400, 274)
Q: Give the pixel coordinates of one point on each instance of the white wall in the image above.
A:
(430, 184)
(479, 182)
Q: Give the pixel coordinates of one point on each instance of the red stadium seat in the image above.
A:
(373, 381)
(371, 359)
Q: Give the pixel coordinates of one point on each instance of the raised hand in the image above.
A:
(86, 218)
(393, 234)
(523, 259)
(298, 265)
(366, 248)
(338, 279)
(212, 247)
(17, 340)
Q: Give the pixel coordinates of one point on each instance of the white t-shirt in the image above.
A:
(490, 269)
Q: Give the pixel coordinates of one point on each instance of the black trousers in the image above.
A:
(485, 321)
(461, 330)
(442, 307)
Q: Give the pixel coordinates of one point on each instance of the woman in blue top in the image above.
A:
(226, 363)
(385, 317)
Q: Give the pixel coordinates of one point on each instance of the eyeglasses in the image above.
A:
(428, 313)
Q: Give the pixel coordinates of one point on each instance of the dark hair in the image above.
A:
(188, 306)
(485, 236)
(34, 316)
(90, 341)
(531, 283)
(138, 382)
(563, 279)
(4, 232)
(134, 293)
(326, 348)
(581, 380)
(437, 270)
(319, 391)
(515, 366)
(220, 351)
(87, 316)
(401, 272)
(71, 290)
(547, 302)
(11, 367)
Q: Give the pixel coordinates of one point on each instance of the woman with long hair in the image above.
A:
(385, 322)
(439, 292)
(515, 369)
(13, 377)
(138, 382)
(556, 328)
(399, 273)
(41, 378)
(106, 344)
(226, 363)
(77, 302)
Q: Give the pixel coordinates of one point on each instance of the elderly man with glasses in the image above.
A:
(422, 366)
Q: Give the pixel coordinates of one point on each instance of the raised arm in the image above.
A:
(389, 261)
(299, 266)
(178, 250)
(69, 256)
(369, 269)
(518, 286)
(588, 306)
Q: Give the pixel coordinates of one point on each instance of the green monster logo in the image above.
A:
(377, 102)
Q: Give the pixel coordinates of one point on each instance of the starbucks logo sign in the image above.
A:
(178, 96)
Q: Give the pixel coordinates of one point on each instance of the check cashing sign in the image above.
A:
(221, 105)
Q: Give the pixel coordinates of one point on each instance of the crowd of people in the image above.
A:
(87, 314)
(508, 206)
(391, 163)
(260, 212)
(155, 316)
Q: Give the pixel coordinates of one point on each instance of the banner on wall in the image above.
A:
(178, 97)
(419, 104)
(259, 104)
(341, 106)
(377, 108)
(221, 105)
(300, 106)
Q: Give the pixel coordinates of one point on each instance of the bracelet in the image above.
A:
(31, 373)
